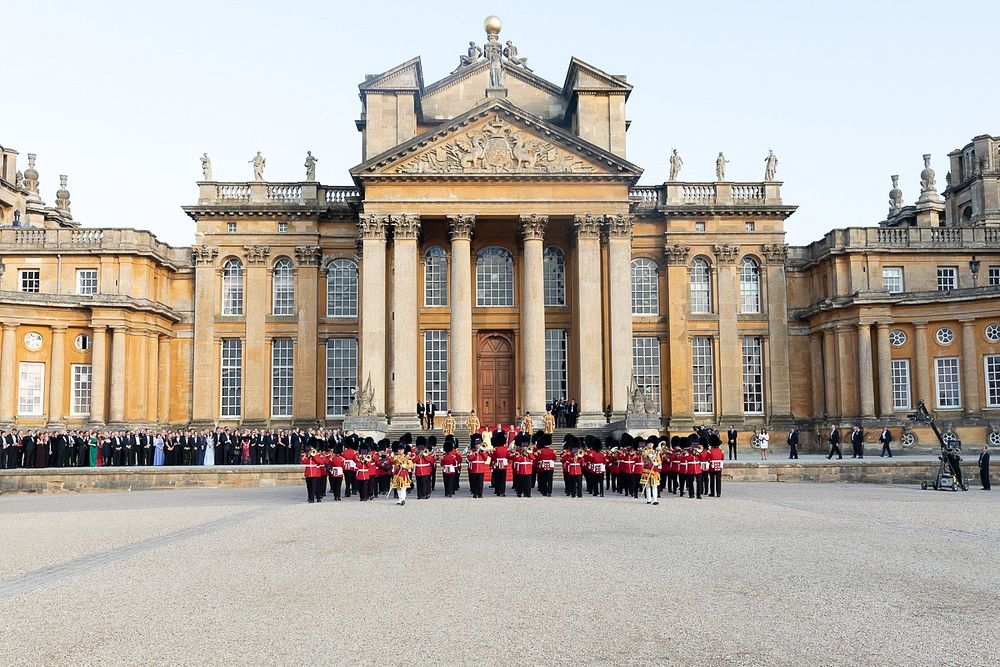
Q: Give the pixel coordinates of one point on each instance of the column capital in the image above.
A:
(58, 328)
(883, 326)
(405, 226)
(620, 226)
(677, 253)
(726, 253)
(372, 226)
(461, 226)
(11, 326)
(204, 255)
(587, 226)
(774, 253)
(256, 254)
(533, 226)
(308, 255)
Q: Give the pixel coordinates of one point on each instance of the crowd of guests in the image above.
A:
(82, 449)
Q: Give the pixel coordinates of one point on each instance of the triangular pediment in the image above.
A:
(405, 76)
(497, 139)
(583, 76)
(465, 89)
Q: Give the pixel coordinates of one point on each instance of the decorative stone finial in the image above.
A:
(492, 25)
(895, 197)
(62, 196)
(928, 184)
(31, 179)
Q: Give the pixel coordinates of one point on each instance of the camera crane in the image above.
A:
(949, 475)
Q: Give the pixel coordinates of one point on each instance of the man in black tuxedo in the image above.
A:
(793, 443)
(886, 439)
(11, 451)
(984, 467)
(420, 413)
(858, 443)
(431, 411)
(28, 446)
(834, 440)
(295, 442)
(731, 435)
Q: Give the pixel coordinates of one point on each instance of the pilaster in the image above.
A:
(304, 389)
(204, 392)
(406, 229)
(460, 230)
(8, 372)
(620, 309)
(57, 377)
(372, 349)
(256, 384)
(587, 336)
(533, 314)
(99, 376)
(730, 350)
(886, 410)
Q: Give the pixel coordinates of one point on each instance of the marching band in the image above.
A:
(628, 466)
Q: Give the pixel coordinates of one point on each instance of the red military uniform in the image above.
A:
(451, 467)
(478, 467)
(524, 463)
(335, 464)
(350, 471)
(501, 465)
(715, 465)
(314, 473)
(545, 462)
(574, 475)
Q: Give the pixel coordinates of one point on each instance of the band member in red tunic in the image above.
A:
(545, 460)
(314, 475)
(523, 463)
(501, 461)
(336, 467)
(350, 467)
(402, 466)
(598, 461)
(479, 464)
(715, 466)
(451, 467)
(673, 464)
(363, 474)
(423, 466)
(574, 470)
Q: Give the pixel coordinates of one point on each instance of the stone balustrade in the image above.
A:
(289, 194)
(707, 195)
(263, 193)
(28, 240)
(918, 238)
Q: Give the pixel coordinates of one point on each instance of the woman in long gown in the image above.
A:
(158, 450)
(246, 448)
(209, 448)
(92, 449)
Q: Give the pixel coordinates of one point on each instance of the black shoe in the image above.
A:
(312, 501)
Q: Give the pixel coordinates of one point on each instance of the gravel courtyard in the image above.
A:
(776, 574)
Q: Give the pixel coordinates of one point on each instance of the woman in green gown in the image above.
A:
(92, 446)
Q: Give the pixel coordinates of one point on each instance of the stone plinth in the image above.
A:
(367, 425)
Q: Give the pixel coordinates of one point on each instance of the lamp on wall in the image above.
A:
(974, 267)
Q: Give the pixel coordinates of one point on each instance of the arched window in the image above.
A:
(435, 277)
(749, 285)
(701, 286)
(283, 287)
(342, 289)
(232, 287)
(554, 268)
(645, 287)
(494, 278)
(967, 215)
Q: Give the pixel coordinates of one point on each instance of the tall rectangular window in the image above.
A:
(892, 279)
(702, 375)
(282, 374)
(556, 383)
(30, 388)
(947, 278)
(31, 280)
(992, 362)
(901, 384)
(436, 367)
(341, 374)
(231, 384)
(753, 375)
(86, 281)
(646, 366)
(993, 273)
(948, 382)
(81, 378)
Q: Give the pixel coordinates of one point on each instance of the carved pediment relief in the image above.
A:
(496, 146)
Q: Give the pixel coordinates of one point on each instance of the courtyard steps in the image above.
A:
(463, 437)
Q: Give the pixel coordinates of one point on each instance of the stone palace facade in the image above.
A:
(494, 252)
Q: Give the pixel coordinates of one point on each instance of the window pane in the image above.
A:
(892, 279)
(646, 367)
(82, 376)
(435, 277)
(555, 276)
(701, 286)
(341, 374)
(283, 288)
(494, 278)
(282, 374)
(30, 388)
(948, 391)
(556, 385)
(232, 287)
(947, 278)
(753, 375)
(645, 287)
(901, 384)
(749, 286)
(86, 281)
(993, 380)
(232, 378)
(436, 367)
(702, 375)
(342, 289)
(31, 280)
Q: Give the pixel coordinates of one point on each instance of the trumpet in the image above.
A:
(425, 452)
(367, 458)
(580, 454)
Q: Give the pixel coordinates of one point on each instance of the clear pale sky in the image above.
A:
(125, 96)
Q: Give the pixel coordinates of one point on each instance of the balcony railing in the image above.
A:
(712, 195)
(262, 193)
(27, 240)
(915, 238)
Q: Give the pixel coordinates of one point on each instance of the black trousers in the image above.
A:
(835, 449)
(671, 481)
(350, 482)
(715, 483)
(635, 484)
(687, 482)
(886, 449)
(450, 485)
(522, 485)
(364, 489)
(597, 488)
(424, 487)
(499, 482)
(984, 478)
(476, 484)
(575, 485)
(793, 452)
(312, 487)
(335, 485)
(545, 482)
(732, 451)
(702, 483)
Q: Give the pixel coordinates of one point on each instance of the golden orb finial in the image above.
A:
(492, 25)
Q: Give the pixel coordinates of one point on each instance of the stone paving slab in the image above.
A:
(786, 574)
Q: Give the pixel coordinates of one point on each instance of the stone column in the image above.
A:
(163, 357)
(119, 337)
(971, 369)
(204, 396)
(372, 351)
(816, 357)
(57, 377)
(8, 372)
(460, 364)
(306, 342)
(780, 402)
(830, 375)
(848, 397)
(619, 309)
(406, 229)
(256, 353)
(99, 376)
(135, 389)
(922, 365)
(885, 405)
(587, 320)
(730, 357)
(678, 309)
(866, 379)
(533, 314)
(152, 377)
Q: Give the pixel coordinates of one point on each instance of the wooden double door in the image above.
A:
(495, 378)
